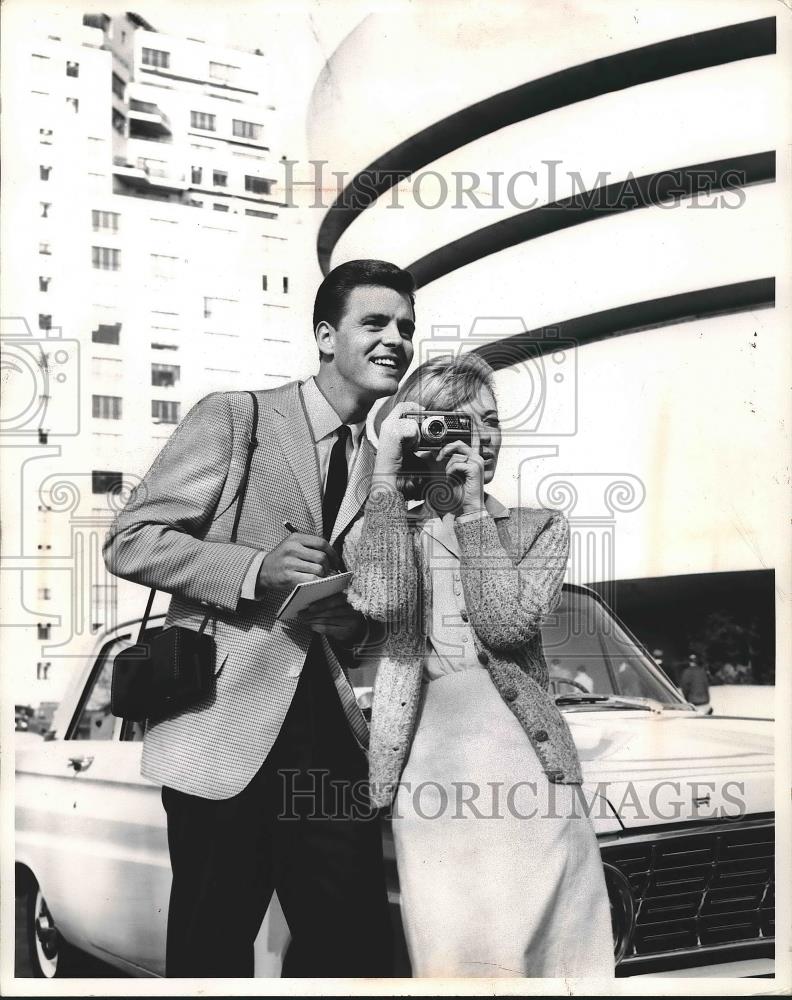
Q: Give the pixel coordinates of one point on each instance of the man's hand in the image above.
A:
(332, 616)
(300, 558)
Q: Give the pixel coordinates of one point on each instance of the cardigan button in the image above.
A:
(541, 735)
(483, 657)
(464, 615)
(510, 693)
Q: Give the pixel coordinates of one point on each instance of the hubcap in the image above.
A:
(46, 937)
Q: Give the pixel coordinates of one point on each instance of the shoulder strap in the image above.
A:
(146, 613)
(239, 496)
(243, 482)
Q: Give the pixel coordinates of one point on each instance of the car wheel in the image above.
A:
(49, 954)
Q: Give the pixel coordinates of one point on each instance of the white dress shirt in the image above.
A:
(324, 424)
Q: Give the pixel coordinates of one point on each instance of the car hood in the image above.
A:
(676, 766)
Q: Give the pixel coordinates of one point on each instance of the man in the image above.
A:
(695, 685)
(246, 811)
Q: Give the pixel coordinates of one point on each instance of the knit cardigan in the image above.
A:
(512, 571)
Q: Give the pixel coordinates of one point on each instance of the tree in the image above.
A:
(721, 640)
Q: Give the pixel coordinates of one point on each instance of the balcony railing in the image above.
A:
(146, 173)
(148, 120)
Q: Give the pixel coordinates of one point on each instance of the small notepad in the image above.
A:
(305, 594)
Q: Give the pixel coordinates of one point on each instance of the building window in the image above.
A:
(72, 68)
(219, 178)
(45, 249)
(44, 173)
(257, 185)
(44, 283)
(103, 481)
(261, 215)
(45, 321)
(164, 266)
(197, 175)
(222, 72)
(118, 86)
(156, 57)
(43, 669)
(73, 103)
(104, 220)
(106, 333)
(45, 136)
(165, 411)
(219, 208)
(106, 258)
(103, 601)
(164, 375)
(245, 130)
(43, 631)
(106, 407)
(119, 122)
(156, 346)
(220, 309)
(285, 285)
(264, 282)
(199, 119)
(195, 202)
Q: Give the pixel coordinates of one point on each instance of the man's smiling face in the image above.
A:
(371, 348)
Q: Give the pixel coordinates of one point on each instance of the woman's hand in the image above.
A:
(395, 436)
(466, 467)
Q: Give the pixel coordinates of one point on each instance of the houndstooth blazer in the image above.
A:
(173, 535)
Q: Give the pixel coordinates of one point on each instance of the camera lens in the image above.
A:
(435, 428)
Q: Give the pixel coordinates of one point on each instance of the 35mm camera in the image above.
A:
(440, 427)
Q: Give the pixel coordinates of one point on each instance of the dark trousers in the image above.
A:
(295, 829)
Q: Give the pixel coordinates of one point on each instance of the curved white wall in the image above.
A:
(689, 413)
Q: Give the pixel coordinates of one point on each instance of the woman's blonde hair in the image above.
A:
(446, 382)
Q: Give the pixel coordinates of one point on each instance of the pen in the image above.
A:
(292, 530)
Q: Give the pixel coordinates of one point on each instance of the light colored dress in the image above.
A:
(499, 868)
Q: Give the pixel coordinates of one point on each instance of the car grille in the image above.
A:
(698, 889)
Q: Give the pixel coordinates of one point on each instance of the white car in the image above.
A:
(682, 805)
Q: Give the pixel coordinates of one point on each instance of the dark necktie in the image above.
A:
(336, 484)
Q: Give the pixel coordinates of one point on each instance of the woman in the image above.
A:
(499, 866)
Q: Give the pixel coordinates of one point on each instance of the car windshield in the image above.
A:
(588, 652)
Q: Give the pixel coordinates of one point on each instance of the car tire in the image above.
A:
(49, 954)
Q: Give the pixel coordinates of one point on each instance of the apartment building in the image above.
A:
(147, 263)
